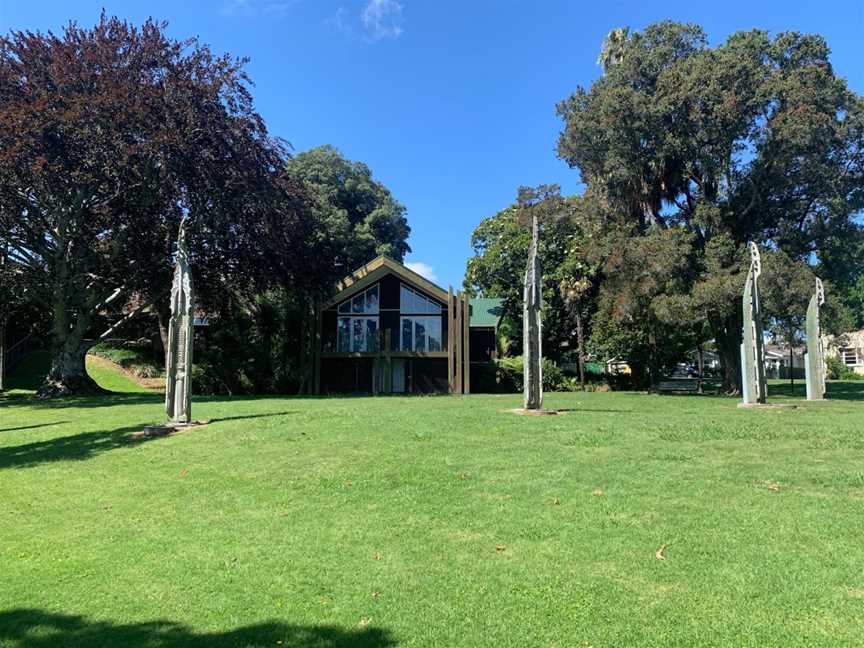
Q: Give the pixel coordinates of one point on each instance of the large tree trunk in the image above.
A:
(728, 338)
(580, 349)
(68, 374)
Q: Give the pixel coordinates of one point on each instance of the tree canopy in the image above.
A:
(108, 137)
(753, 140)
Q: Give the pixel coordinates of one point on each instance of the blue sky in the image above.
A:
(451, 103)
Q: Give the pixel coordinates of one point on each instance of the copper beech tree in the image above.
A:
(108, 137)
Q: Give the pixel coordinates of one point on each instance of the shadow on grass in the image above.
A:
(850, 390)
(32, 427)
(249, 416)
(39, 629)
(103, 400)
(69, 448)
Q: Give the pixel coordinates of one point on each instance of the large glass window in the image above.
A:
(411, 301)
(365, 302)
(421, 334)
(356, 331)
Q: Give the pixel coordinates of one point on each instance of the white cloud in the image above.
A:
(341, 21)
(382, 19)
(423, 269)
(273, 8)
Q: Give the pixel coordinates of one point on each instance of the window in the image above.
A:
(411, 301)
(421, 334)
(849, 356)
(365, 302)
(356, 331)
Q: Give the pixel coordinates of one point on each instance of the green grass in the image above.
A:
(440, 521)
(134, 358)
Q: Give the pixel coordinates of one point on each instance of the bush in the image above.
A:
(838, 370)
(135, 356)
(509, 376)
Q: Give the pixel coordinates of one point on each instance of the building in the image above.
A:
(849, 347)
(778, 361)
(389, 330)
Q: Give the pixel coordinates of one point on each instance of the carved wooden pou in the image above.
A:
(753, 384)
(532, 307)
(178, 369)
(814, 361)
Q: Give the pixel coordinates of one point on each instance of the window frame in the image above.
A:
(846, 352)
(432, 330)
(417, 296)
(362, 315)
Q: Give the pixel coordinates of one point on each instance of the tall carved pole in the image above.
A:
(178, 370)
(814, 360)
(753, 385)
(532, 307)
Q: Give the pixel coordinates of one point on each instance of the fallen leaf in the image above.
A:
(184, 472)
(598, 492)
(659, 553)
(376, 556)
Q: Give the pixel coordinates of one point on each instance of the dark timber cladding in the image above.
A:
(389, 330)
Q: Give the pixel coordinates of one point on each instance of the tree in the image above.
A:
(108, 137)
(756, 139)
(359, 215)
(501, 245)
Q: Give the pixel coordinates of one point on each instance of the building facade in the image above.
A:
(387, 330)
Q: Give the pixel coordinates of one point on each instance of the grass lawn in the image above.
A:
(439, 521)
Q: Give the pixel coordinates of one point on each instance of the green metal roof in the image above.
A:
(486, 311)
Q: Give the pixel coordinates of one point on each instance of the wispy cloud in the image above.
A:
(341, 21)
(382, 19)
(423, 269)
(272, 8)
(377, 20)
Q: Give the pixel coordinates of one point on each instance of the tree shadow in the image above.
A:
(844, 390)
(246, 417)
(29, 628)
(69, 448)
(109, 399)
(32, 427)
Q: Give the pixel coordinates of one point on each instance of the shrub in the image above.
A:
(838, 370)
(509, 376)
(135, 356)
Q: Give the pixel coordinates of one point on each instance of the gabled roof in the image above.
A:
(486, 312)
(373, 271)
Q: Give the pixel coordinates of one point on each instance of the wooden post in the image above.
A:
(388, 364)
(451, 340)
(466, 329)
(457, 330)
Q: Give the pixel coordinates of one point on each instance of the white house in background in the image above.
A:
(777, 363)
(849, 347)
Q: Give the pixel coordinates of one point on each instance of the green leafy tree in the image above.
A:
(108, 137)
(755, 139)
(497, 268)
(358, 213)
